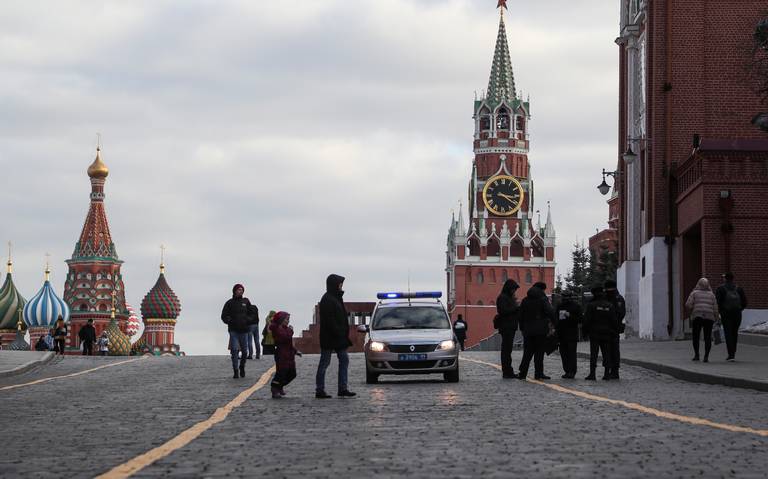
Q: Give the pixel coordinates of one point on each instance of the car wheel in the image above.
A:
(452, 376)
(371, 378)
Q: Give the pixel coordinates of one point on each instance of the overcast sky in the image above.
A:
(272, 143)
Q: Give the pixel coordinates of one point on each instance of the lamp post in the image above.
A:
(604, 187)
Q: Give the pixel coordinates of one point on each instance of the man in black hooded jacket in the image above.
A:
(536, 317)
(334, 337)
(568, 319)
(238, 314)
(506, 322)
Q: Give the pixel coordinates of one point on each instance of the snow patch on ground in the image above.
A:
(759, 328)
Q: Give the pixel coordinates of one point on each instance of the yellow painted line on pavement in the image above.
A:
(138, 463)
(79, 373)
(638, 407)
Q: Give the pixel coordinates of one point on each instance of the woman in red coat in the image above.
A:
(285, 353)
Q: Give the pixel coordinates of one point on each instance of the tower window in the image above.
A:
(528, 276)
(520, 123)
(502, 119)
(480, 277)
(479, 302)
(504, 276)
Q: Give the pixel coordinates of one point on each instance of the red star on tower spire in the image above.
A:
(502, 4)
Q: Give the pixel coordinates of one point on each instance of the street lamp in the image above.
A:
(604, 187)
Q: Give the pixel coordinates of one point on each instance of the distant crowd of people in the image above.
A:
(56, 338)
(546, 328)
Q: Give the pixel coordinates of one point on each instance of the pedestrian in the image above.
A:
(703, 306)
(285, 353)
(601, 325)
(536, 323)
(334, 337)
(87, 336)
(506, 321)
(103, 344)
(569, 317)
(612, 294)
(41, 345)
(253, 335)
(50, 341)
(267, 341)
(460, 330)
(60, 335)
(731, 301)
(237, 314)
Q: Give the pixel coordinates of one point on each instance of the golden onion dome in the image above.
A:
(98, 169)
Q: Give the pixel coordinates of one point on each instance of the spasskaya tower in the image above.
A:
(503, 237)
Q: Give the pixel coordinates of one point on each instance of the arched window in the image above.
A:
(517, 276)
(480, 277)
(520, 126)
(516, 247)
(474, 246)
(493, 248)
(83, 307)
(102, 307)
(479, 302)
(504, 276)
(502, 119)
(528, 276)
(537, 249)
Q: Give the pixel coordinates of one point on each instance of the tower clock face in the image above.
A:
(503, 195)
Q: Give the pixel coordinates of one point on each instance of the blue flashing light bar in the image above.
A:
(418, 294)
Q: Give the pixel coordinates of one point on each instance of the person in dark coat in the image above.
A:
(285, 353)
(334, 337)
(731, 301)
(60, 335)
(460, 330)
(536, 319)
(612, 294)
(238, 315)
(41, 345)
(568, 319)
(507, 311)
(601, 325)
(87, 336)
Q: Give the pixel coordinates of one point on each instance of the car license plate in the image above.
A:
(411, 357)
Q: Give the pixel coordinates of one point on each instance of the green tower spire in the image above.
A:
(501, 84)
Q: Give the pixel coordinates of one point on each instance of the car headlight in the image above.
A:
(376, 346)
(446, 345)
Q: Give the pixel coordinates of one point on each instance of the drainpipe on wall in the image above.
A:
(670, 166)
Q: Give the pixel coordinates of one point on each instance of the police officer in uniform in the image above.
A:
(601, 324)
(506, 322)
(613, 295)
(568, 317)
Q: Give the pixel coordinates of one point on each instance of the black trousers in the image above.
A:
(507, 341)
(461, 338)
(697, 325)
(568, 356)
(59, 345)
(533, 347)
(731, 324)
(283, 377)
(87, 348)
(600, 345)
(616, 353)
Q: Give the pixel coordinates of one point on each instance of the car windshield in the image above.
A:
(408, 317)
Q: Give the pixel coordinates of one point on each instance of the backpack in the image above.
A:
(732, 300)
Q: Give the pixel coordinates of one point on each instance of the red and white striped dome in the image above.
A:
(134, 324)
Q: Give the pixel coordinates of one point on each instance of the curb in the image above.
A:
(754, 339)
(693, 376)
(47, 357)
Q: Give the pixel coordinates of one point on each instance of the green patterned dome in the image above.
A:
(10, 303)
(119, 344)
(161, 302)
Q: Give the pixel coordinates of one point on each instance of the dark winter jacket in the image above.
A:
(41, 345)
(87, 334)
(568, 318)
(60, 332)
(285, 353)
(601, 320)
(620, 304)
(507, 308)
(460, 332)
(239, 314)
(334, 325)
(722, 298)
(536, 314)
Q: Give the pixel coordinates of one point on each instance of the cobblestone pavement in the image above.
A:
(418, 426)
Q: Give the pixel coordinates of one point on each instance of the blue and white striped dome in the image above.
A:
(45, 307)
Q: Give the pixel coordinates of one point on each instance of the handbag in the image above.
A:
(717, 333)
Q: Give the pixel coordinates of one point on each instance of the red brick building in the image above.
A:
(359, 313)
(693, 169)
(501, 240)
(607, 240)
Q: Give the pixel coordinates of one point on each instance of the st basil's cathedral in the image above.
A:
(93, 290)
(503, 237)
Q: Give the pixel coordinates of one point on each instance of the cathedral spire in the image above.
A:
(10, 261)
(501, 84)
(549, 227)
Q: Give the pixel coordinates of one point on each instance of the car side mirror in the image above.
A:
(362, 328)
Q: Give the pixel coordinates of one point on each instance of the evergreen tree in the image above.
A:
(577, 279)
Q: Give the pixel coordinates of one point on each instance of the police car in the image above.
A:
(410, 333)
